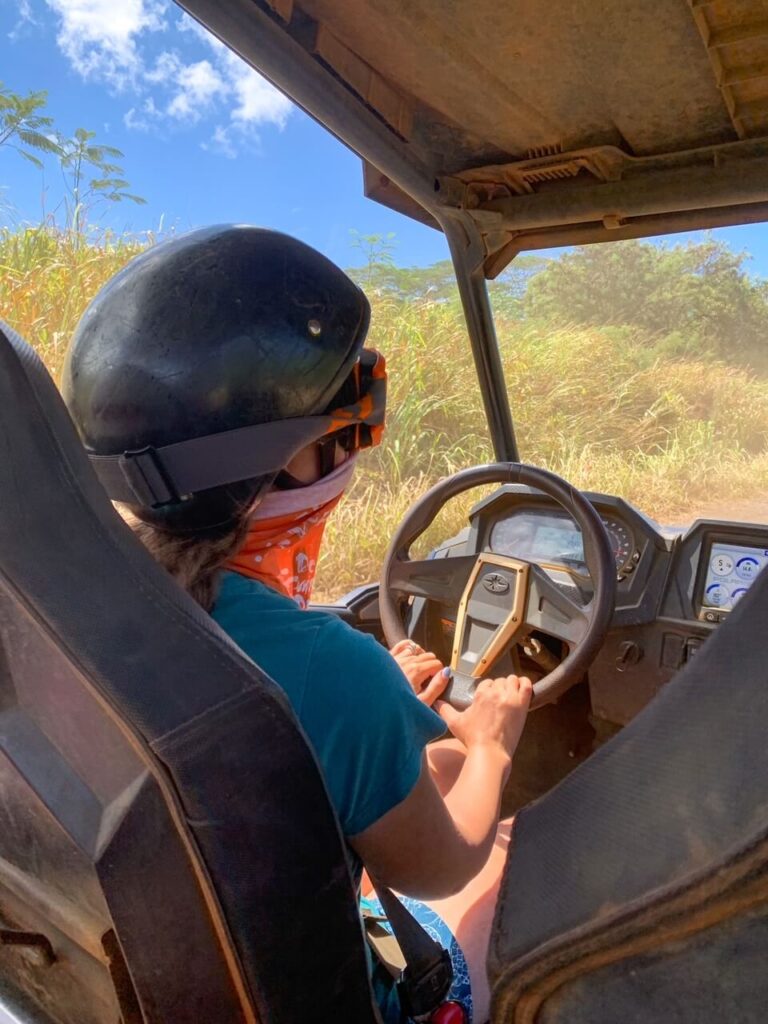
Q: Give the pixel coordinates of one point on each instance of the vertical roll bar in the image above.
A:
(467, 254)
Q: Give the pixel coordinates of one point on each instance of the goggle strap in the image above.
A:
(152, 477)
(327, 456)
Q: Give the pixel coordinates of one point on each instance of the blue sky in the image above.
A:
(206, 140)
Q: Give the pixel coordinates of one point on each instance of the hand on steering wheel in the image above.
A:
(501, 599)
(423, 670)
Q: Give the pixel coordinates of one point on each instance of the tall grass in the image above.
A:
(666, 434)
(601, 406)
(47, 278)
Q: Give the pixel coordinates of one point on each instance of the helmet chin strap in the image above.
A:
(326, 463)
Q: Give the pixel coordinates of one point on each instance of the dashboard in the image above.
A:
(674, 586)
(729, 556)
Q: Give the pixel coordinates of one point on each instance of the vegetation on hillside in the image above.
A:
(695, 299)
(665, 433)
(659, 396)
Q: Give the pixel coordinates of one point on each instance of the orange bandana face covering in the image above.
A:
(283, 542)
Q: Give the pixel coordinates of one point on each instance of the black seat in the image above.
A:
(168, 852)
(637, 890)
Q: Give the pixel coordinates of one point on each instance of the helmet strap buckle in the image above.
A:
(148, 478)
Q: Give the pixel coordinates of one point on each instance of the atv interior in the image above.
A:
(166, 843)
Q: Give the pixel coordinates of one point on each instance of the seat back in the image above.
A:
(637, 890)
(168, 852)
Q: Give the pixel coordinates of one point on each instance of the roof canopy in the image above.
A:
(549, 124)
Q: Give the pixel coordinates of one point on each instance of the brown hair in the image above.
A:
(195, 561)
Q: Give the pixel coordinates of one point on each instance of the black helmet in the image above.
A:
(199, 371)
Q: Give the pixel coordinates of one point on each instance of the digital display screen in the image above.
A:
(731, 570)
(557, 543)
(539, 537)
(553, 538)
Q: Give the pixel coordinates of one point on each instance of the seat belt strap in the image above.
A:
(426, 979)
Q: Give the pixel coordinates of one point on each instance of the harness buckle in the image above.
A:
(421, 994)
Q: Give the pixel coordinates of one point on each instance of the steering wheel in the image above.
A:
(499, 599)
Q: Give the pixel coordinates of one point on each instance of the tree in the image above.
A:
(23, 127)
(508, 290)
(378, 251)
(76, 156)
(436, 282)
(698, 295)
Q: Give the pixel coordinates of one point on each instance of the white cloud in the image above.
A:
(258, 101)
(100, 37)
(198, 86)
(166, 69)
(110, 41)
(134, 121)
(221, 142)
(25, 19)
(255, 101)
(142, 118)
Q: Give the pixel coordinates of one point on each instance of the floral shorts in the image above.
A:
(437, 929)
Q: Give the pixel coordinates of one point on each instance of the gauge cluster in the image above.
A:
(674, 586)
(520, 522)
(699, 574)
(553, 538)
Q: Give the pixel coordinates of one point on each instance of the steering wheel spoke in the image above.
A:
(437, 579)
(553, 611)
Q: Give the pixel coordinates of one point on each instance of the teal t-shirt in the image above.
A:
(367, 727)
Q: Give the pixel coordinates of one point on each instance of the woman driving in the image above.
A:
(222, 390)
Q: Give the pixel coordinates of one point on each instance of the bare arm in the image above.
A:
(430, 846)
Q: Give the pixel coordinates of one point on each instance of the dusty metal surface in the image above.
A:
(578, 121)
(735, 34)
(486, 77)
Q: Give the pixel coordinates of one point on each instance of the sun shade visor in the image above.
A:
(607, 121)
(165, 475)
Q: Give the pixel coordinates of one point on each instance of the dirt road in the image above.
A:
(752, 510)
